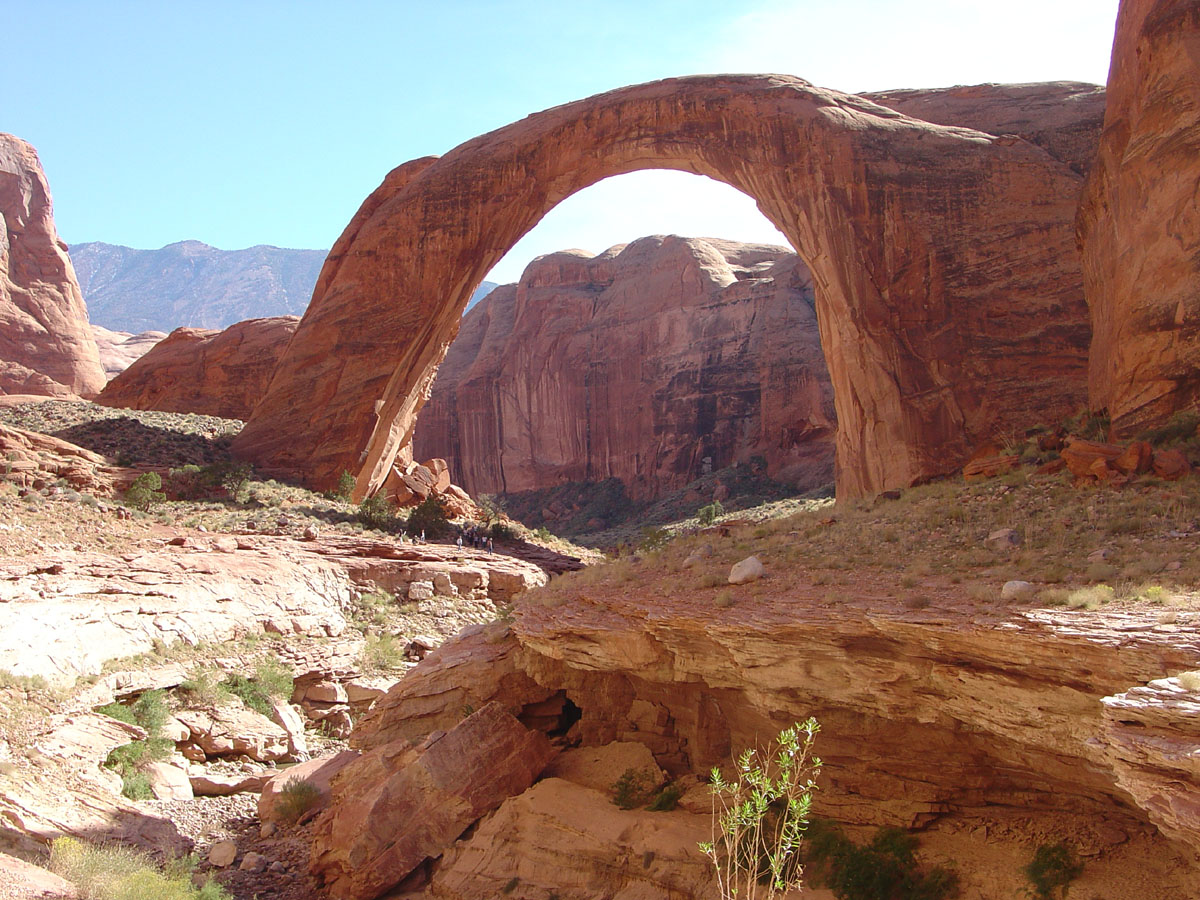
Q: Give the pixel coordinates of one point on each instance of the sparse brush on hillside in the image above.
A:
(113, 872)
(150, 712)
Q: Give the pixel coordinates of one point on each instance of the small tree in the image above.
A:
(430, 518)
(1052, 869)
(759, 817)
(145, 491)
(708, 514)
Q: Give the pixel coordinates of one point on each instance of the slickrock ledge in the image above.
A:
(60, 619)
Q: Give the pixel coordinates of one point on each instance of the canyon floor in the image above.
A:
(1002, 611)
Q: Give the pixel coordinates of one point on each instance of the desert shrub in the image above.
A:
(502, 531)
(271, 680)
(654, 539)
(1052, 869)
(150, 712)
(112, 872)
(187, 483)
(1181, 426)
(145, 491)
(344, 488)
(635, 787)
(759, 818)
(202, 688)
(382, 653)
(706, 515)
(296, 797)
(1090, 598)
(542, 533)
(884, 869)
(379, 512)
(666, 799)
(429, 517)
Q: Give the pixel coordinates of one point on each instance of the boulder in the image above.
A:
(749, 569)
(234, 730)
(1171, 464)
(211, 784)
(399, 805)
(168, 782)
(285, 716)
(222, 854)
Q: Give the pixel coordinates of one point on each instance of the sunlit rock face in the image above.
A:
(948, 286)
(46, 346)
(652, 363)
(1139, 224)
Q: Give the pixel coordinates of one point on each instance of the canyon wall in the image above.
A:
(46, 346)
(649, 363)
(212, 373)
(949, 291)
(1139, 223)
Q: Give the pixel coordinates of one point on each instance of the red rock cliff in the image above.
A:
(46, 346)
(1139, 223)
(638, 363)
(213, 373)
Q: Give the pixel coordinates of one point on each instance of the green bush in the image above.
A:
(145, 491)
(708, 514)
(1052, 869)
(431, 518)
(884, 869)
(635, 787)
(296, 797)
(379, 512)
(204, 689)
(344, 489)
(271, 680)
(502, 531)
(666, 799)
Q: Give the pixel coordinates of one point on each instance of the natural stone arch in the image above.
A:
(948, 284)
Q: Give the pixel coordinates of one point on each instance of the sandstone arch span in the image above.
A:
(948, 284)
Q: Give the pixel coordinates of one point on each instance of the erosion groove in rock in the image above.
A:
(1139, 226)
(646, 363)
(45, 343)
(948, 290)
(212, 373)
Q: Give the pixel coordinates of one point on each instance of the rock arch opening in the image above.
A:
(948, 285)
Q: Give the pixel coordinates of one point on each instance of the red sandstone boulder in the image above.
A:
(214, 373)
(43, 321)
(641, 363)
(1139, 223)
(399, 805)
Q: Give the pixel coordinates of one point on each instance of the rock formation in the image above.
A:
(214, 373)
(641, 364)
(43, 322)
(120, 349)
(1056, 722)
(1139, 225)
(948, 288)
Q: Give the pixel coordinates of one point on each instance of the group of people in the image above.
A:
(473, 536)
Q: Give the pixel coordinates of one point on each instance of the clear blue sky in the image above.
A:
(239, 123)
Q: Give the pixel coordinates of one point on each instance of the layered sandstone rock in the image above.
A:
(949, 292)
(649, 363)
(120, 349)
(43, 320)
(1139, 224)
(1035, 722)
(1062, 117)
(212, 373)
(400, 805)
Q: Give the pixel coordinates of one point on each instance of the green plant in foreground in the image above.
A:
(1052, 869)
(759, 817)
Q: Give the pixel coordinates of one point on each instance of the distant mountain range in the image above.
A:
(191, 283)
